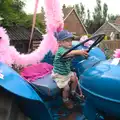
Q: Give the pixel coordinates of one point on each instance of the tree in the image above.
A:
(39, 24)
(99, 17)
(12, 11)
(18, 5)
(97, 14)
(80, 9)
(77, 7)
(112, 17)
(87, 22)
(105, 10)
(82, 12)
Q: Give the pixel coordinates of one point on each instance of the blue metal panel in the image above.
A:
(14, 83)
(101, 84)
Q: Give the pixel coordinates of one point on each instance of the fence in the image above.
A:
(110, 44)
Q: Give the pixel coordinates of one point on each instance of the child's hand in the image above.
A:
(83, 52)
(78, 52)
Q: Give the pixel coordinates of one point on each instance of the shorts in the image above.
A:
(62, 80)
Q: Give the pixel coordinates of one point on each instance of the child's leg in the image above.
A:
(74, 82)
(65, 92)
(66, 100)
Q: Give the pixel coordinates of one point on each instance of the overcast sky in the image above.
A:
(113, 5)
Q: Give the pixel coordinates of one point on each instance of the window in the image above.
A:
(19, 47)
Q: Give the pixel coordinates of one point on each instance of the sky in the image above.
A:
(113, 5)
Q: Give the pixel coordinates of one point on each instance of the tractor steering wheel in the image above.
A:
(97, 39)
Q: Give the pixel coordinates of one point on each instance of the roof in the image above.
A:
(22, 33)
(72, 9)
(117, 21)
(114, 25)
(66, 11)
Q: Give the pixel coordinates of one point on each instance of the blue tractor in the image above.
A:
(98, 79)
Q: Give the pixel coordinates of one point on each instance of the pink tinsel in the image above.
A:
(54, 22)
(117, 53)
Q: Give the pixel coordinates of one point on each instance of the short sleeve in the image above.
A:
(61, 51)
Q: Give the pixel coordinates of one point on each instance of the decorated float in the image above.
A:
(35, 92)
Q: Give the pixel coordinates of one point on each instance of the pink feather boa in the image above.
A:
(9, 55)
(117, 53)
(54, 22)
(53, 15)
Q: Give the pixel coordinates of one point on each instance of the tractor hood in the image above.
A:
(80, 64)
(102, 80)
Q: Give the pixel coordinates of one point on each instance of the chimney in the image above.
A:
(64, 6)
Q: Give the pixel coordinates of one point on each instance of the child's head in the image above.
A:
(64, 38)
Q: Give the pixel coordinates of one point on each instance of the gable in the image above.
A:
(71, 20)
(107, 28)
(74, 24)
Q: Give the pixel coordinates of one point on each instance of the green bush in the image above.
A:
(89, 35)
(107, 51)
(106, 37)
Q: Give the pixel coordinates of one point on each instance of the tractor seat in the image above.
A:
(46, 86)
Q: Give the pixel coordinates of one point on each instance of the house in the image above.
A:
(110, 29)
(117, 21)
(72, 22)
(20, 36)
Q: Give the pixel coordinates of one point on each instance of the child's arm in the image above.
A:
(77, 52)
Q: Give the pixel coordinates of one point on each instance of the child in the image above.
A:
(61, 71)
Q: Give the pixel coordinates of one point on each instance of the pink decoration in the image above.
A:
(54, 16)
(37, 55)
(117, 53)
(31, 73)
(5, 55)
(54, 22)
(9, 55)
(87, 44)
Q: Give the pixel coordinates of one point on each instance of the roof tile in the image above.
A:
(22, 33)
